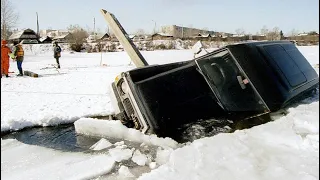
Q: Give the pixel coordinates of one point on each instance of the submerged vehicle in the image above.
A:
(242, 80)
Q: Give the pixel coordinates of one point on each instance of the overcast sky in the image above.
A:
(216, 15)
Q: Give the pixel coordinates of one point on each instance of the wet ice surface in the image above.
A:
(131, 159)
(64, 139)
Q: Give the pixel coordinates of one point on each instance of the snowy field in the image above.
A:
(287, 148)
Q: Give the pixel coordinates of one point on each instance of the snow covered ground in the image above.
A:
(79, 89)
(287, 148)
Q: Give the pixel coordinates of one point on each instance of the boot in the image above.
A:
(20, 73)
(7, 75)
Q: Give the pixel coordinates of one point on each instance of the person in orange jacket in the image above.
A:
(5, 51)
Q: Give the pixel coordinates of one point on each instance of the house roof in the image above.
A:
(106, 35)
(18, 34)
(259, 35)
(203, 35)
(131, 36)
(238, 35)
(62, 36)
(44, 38)
(302, 34)
(162, 34)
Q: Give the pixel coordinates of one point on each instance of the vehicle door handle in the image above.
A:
(242, 82)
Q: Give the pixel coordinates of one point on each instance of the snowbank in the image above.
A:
(79, 89)
(23, 161)
(114, 129)
(285, 149)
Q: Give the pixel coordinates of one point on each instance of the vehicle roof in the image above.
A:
(257, 43)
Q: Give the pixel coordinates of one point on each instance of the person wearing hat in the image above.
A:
(56, 52)
(18, 56)
(5, 51)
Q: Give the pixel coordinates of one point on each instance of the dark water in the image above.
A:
(62, 137)
(65, 138)
(212, 127)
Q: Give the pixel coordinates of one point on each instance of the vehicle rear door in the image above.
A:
(230, 84)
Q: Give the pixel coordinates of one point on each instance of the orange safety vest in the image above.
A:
(20, 52)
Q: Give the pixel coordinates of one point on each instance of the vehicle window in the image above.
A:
(287, 65)
(222, 74)
(300, 60)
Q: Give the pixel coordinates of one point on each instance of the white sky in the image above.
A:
(226, 16)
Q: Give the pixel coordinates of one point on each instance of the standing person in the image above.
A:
(5, 51)
(19, 55)
(56, 52)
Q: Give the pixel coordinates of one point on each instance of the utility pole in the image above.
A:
(37, 25)
(154, 28)
(3, 31)
(182, 31)
(94, 28)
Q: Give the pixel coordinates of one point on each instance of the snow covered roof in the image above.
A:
(44, 38)
(204, 35)
(162, 34)
(238, 35)
(62, 36)
(19, 34)
(302, 34)
(131, 36)
(16, 35)
(106, 35)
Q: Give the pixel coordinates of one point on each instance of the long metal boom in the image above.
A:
(124, 39)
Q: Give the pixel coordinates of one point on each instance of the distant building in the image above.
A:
(45, 32)
(45, 39)
(258, 37)
(132, 36)
(303, 34)
(106, 36)
(27, 34)
(98, 37)
(53, 33)
(63, 38)
(161, 36)
(180, 31)
(203, 37)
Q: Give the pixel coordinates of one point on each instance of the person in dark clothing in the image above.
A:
(18, 56)
(56, 52)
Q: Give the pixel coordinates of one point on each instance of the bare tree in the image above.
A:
(312, 33)
(9, 18)
(78, 37)
(240, 31)
(99, 32)
(274, 34)
(88, 29)
(264, 30)
(140, 32)
(293, 32)
(204, 30)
